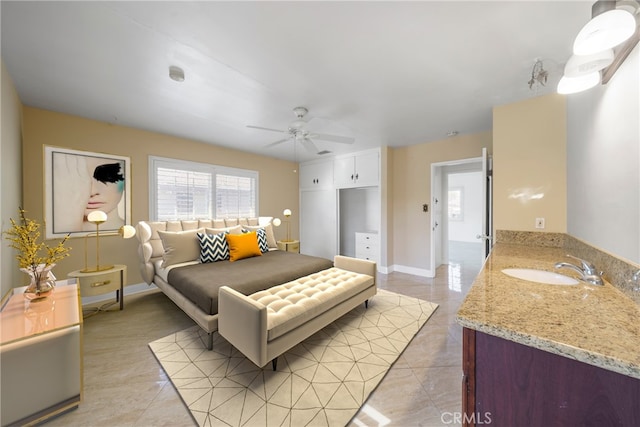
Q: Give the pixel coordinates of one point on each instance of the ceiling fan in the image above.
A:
(299, 133)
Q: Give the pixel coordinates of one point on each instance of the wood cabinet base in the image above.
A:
(509, 384)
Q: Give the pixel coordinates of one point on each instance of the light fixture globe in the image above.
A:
(276, 222)
(127, 231)
(97, 217)
(604, 31)
(568, 85)
(579, 65)
(286, 212)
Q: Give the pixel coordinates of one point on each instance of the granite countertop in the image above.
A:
(598, 325)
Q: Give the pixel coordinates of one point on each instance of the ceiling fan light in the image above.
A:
(569, 85)
(579, 65)
(604, 31)
(298, 124)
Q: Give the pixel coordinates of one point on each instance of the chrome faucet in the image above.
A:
(587, 272)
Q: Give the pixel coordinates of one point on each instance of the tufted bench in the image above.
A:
(265, 324)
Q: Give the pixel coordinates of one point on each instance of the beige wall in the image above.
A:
(411, 188)
(10, 177)
(386, 197)
(529, 164)
(278, 183)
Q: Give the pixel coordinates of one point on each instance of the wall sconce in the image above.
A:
(594, 59)
(287, 214)
(97, 218)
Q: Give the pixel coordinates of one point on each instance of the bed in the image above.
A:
(170, 259)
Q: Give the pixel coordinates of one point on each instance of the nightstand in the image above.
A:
(101, 282)
(290, 246)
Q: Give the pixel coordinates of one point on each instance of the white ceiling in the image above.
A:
(386, 73)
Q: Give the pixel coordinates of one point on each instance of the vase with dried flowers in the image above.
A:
(35, 258)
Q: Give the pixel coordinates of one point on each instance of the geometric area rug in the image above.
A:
(322, 381)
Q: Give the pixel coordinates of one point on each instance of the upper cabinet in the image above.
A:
(316, 175)
(357, 169)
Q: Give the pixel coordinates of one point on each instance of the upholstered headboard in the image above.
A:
(150, 248)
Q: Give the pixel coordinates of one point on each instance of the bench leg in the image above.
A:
(366, 304)
(274, 363)
(210, 341)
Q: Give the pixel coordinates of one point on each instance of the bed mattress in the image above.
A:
(200, 282)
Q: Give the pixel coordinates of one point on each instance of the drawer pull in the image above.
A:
(98, 284)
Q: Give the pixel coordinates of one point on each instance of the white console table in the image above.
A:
(41, 353)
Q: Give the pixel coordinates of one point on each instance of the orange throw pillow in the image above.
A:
(243, 246)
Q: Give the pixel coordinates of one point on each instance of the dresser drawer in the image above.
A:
(366, 239)
(367, 252)
(100, 283)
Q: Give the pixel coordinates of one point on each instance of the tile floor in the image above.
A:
(125, 386)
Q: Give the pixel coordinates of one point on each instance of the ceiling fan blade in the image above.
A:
(280, 141)
(269, 129)
(309, 145)
(333, 138)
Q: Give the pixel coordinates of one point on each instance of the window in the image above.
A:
(455, 197)
(183, 190)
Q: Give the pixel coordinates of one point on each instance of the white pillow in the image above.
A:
(268, 228)
(179, 246)
(234, 229)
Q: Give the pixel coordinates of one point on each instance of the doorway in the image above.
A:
(462, 187)
(461, 218)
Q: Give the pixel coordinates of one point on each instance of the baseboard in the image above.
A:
(412, 270)
(128, 290)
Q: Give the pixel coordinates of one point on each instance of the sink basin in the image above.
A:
(540, 276)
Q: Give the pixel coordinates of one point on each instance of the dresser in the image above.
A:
(367, 246)
(41, 354)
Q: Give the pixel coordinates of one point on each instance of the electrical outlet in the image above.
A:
(539, 222)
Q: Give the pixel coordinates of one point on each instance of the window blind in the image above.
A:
(184, 190)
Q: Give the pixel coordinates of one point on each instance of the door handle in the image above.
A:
(483, 237)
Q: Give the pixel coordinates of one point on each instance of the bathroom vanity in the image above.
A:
(542, 354)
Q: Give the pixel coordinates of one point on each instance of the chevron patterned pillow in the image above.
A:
(213, 247)
(262, 238)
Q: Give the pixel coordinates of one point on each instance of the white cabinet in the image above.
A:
(316, 175)
(357, 170)
(367, 246)
(41, 353)
(318, 232)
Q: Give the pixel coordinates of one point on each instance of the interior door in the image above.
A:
(487, 197)
(436, 223)
(318, 230)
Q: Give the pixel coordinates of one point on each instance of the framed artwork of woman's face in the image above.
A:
(80, 182)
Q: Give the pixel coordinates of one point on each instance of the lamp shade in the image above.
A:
(579, 65)
(569, 85)
(127, 231)
(604, 31)
(97, 217)
(286, 212)
(276, 222)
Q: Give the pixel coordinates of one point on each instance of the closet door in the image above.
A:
(318, 232)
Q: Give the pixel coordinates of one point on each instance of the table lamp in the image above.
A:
(287, 214)
(97, 218)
